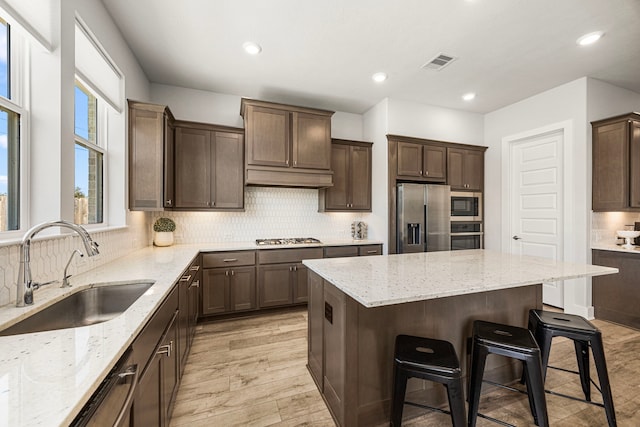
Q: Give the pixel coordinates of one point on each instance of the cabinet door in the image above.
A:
(169, 163)
(228, 173)
(311, 141)
(300, 284)
(243, 288)
(146, 146)
(409, 159)
(610, 171)
(147, 406)
(215, 291)
(434, 162)
(360, 178)
(267, 132)
(455, 168)
(192, 168)
(170, 368)
(336, 196)
(474, 170)
(274, 284)
(634, 164)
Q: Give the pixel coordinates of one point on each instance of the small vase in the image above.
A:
(163, 238)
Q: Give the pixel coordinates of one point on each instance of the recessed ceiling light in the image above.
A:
(468, 96)
(379, 77)
(590, 38)
(252, 48)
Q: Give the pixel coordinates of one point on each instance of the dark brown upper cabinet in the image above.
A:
(151, 141)
(424, 162)
(209, 167)
(351, 191)
(287, 145)
(465, 169)
(616, 163)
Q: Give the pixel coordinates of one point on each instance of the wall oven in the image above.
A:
(466, 235)
(466, 206)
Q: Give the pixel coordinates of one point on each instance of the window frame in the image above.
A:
(100, 146)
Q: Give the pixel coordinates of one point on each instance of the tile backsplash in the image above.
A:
(270, 212)
(605, 224)
(50, 255)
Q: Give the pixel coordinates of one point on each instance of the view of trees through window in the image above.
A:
(88, 197)
(9, 143)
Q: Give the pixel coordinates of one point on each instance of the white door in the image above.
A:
(536, 202)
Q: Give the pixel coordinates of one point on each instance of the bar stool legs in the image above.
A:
(432, 360)
(509, 341)
(545, 325)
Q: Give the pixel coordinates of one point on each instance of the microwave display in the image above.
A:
(466, 206)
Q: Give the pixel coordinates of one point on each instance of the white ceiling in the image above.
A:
(323, 53)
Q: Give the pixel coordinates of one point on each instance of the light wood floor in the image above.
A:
(252, 372)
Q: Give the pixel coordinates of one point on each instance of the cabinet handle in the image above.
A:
(165, 349)
(195, 284)
(168, 202)
(230, 260)
(194, 268)
(185, 278)
(426, 172)
(295, 162)
(295, 268)
(226, 273)
(130, 371)
(372, 252)
(420, 172)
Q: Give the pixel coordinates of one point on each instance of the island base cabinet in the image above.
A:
(615, 296)
(350, 347)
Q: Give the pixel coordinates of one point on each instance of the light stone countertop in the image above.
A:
(394, 279)
(47, 377)
(614, 248)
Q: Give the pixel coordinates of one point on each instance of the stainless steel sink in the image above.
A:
(86, 307)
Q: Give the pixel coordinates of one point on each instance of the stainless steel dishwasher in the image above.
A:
(110, 405)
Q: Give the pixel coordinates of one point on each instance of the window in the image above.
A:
(9, 140)
(88, 195)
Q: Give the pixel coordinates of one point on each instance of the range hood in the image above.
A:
(301, 178)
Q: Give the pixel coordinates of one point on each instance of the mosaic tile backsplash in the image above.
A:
(50, 255)
(605, 224)
(270, 212)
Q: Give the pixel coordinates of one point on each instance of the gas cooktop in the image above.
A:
(287, 241)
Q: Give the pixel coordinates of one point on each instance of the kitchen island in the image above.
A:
(357, 306)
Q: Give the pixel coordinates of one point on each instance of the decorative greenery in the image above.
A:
(164, 225)
(78, 193)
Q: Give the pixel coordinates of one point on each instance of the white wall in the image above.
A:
(605, 100)
(566, 103)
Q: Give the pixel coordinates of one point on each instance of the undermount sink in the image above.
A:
(86, 307)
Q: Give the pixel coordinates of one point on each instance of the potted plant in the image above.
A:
(163, 231)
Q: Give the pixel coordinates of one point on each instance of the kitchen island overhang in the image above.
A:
(358, 305)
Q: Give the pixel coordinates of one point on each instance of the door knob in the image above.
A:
(516, 238)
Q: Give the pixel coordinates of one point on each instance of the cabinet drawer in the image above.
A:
(370, 250)
(226, 259)
(340, 251)
(145, 344)
(275, 256)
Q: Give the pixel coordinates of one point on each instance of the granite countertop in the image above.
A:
(394, 279)
(46, 377)
(615, 248)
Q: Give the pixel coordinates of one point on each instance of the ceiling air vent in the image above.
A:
(439, 61)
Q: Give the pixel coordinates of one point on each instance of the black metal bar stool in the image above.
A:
(432, 360)
(510, 341)
(546, 324)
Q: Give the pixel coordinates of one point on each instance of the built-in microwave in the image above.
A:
(466, 206)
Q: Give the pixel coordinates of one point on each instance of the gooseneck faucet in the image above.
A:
(25, 285)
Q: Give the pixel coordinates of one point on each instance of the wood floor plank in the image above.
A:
(252, 372)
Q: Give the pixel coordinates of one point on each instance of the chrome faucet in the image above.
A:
(25, 285)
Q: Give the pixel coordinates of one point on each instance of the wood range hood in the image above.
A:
(286, 146)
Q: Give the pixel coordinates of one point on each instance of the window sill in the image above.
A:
(53, 234)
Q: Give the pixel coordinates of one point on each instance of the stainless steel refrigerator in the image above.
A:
(423, 218)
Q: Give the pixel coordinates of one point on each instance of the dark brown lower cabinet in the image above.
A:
(225, 290)
(159, 381)
(615, 296)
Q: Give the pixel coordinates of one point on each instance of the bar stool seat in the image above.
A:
(432, 360)
(510, 341)
(546, 324)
